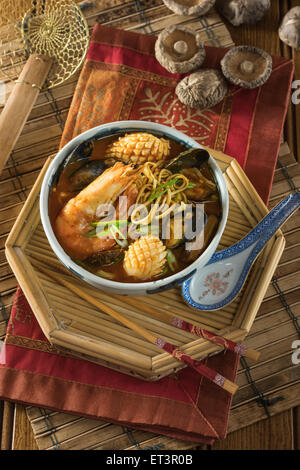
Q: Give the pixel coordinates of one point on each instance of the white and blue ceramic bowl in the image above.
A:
(109, 285)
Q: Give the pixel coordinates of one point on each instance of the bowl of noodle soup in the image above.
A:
(155, 180)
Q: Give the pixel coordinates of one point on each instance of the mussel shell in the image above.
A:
(189, 159)
(203, 187)
(171, 241)
(82, 153)
(199, 244)
(87, 173)
(190, 228)
(105, 258)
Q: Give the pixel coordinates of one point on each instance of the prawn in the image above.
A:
(74, 220)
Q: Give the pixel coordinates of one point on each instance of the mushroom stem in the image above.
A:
(181, 47)
(247, 67)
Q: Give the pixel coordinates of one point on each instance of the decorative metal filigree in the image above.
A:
(56, 28)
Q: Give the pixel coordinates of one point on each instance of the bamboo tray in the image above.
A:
(74, 326)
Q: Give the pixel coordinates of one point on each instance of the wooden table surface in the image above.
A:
(281, 432)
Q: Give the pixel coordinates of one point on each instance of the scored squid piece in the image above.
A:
(139, 148)
(145, 258)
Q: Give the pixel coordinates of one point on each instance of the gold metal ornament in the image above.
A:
(12, 50)
(39, 40)
(58, 29)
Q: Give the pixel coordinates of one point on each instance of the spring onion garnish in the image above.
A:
(114, 231)
(191, 185)
(119, 259)
(162, 189)
(147, 230)
(105, 274)
(172, 261)
(91, 234)
(165, 270)
(105, 223)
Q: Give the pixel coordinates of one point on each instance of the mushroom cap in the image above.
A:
(243, 11)
(247, 66)
(202, 89)
(289, 31)
(190, 7)
(179, 49)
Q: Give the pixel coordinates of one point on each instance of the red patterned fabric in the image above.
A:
(184, 406)
(198, 366)
(121, 79)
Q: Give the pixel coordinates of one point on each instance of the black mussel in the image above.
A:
(200, 186)
(194, 249)
(78, 157)
(82, 153)
(105, 258)
(184, 227)
(174, 233)
(84, 175)
(192, 158)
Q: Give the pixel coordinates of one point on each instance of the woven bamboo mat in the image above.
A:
(268, 387)
(43, 131)
(41, 135)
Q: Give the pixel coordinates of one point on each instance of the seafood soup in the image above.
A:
(135, 207)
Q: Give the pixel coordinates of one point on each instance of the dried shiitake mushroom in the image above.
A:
(247, 66)
(202, 89)
(190, 7)
(289, 31)
(243, 11)
(179, 49)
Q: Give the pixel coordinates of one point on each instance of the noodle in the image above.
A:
(161, 190)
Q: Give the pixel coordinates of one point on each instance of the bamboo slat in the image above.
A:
(7, 425)
(263, 435)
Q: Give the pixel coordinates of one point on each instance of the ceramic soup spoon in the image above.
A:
(221, 279)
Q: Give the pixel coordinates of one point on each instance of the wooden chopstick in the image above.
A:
(169, 318)
(205, 371)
